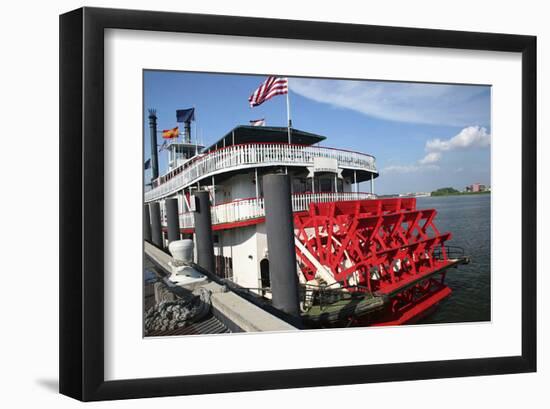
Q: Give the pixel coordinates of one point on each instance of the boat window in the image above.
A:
(325, 185)
(299, 185)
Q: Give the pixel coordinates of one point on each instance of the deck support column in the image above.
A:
(355, 181)
(213, 191)
(146, 224)
(372, 183)
(172, 220)
(280, 243)
(257, 183)
(203, 231)
(156, 228)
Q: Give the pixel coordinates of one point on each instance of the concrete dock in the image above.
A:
(235, 312)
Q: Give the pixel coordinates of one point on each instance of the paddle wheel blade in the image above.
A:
(385, 247)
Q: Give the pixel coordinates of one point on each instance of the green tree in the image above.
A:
(445, 191)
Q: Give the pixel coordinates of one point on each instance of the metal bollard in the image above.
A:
(156, 228)
(203, 231)
(172, 220)
(280, 242)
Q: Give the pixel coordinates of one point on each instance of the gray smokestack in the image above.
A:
(154, 152)
(187, 131)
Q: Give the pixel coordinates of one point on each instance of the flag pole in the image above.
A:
(288, 114)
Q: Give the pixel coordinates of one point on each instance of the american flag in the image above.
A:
(272, 86)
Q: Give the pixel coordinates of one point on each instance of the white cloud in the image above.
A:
(470, 137)
(442, 104)
(431, 157)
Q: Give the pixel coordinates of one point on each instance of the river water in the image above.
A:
(468, 218)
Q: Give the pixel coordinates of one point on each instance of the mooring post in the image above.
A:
(156, 229)
(280, 243)
(203, 231)
(146, 224)
(172, 220)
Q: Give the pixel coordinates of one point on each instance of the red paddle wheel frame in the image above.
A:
(386, 247)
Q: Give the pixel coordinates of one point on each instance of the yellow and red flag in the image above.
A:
(170, 133)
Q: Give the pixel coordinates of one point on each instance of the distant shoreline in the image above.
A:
(460, 194)
(397, 196)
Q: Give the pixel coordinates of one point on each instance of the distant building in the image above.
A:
(476, 187)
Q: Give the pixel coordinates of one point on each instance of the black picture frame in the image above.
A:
(82, 212)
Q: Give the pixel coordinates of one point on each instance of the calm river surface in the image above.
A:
(468, 218)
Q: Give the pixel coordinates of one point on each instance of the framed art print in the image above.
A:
(302, 196)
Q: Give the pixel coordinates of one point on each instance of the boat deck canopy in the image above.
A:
(271, 134)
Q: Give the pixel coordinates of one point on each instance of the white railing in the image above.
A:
(248, 209)
(253, 154)
(300, 202)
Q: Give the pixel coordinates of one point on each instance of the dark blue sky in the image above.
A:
(424, 136)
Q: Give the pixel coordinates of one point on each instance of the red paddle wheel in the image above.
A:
(385, 248)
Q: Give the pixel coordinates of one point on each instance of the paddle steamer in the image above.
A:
(360, 260)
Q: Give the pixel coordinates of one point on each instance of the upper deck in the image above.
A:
(246, 147)
(257, 155)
